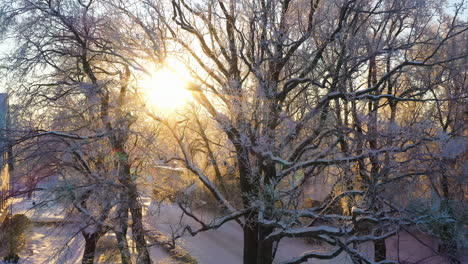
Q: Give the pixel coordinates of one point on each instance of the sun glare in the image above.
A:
(166, 89)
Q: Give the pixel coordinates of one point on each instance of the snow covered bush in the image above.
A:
(445, 219)
(13, 236)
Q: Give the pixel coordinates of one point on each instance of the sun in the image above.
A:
(166, 89)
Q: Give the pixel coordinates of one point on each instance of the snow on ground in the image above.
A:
(52, 232)
(50, 244)
(52, 237)
(223, 245)
(56, 239)
(38, 211)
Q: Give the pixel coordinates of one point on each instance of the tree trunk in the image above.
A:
(250, 228)
(122, 244)
(121, 232)
(91, 240)
(448, 244)
(137, 227)
(135, 209)
(380, 250)
(256, 250)
(250, 241)
(265, 249)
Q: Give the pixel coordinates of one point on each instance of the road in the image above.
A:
(223, 245)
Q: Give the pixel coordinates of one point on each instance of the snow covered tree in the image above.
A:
(303, 89)
(69, 73)
(290, 91)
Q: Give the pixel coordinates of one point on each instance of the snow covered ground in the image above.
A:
(52, 237)
(224, 245)
(56, 239)
(52, 233)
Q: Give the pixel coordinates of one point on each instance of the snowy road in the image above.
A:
(223, 245)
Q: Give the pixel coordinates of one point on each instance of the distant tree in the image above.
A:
(75, 85)
(443, 157)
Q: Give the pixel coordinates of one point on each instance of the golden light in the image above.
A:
(165, 90)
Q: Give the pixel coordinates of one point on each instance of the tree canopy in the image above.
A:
(339, 121)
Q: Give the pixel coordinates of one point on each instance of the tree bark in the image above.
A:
(250, 241)
(265, 248)
(448, 244)
(256, 250)
(137, 227)
(135, 209)
(122, 244)
(380, 250)
(89, 252)
(121, 232)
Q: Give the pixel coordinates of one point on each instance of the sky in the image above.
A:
(465, 13)
(5, 46)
